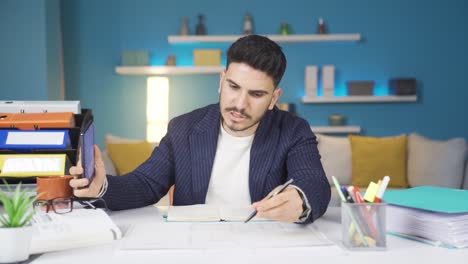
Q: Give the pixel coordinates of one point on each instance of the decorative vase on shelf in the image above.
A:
(285, 29)
(321, 27)
(201, 29)
(184, 31)
(248, 24)
(171, 60)
(336, 120)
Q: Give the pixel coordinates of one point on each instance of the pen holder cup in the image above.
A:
(52, 187)
(363, 226)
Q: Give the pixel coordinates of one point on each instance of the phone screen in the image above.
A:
(87, 151)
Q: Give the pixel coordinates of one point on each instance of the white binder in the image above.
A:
(39, 106)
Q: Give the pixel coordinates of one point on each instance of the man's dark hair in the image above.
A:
(260, 53)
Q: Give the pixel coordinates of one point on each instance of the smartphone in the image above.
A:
(87, 151)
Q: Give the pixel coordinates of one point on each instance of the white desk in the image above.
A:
(399, 250)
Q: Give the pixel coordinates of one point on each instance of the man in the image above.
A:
(232, 153)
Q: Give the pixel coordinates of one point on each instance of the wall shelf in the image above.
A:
(167, 70)
(336, 129)
(277, 38)
(362, 99)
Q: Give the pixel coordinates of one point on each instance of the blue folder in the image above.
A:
(24, 140)
(430, 198)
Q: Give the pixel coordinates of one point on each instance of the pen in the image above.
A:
(369, 222)
(285, 185)
(357, 195)
(351, 193)
(348, 197)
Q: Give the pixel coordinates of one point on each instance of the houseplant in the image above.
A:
(15, 228)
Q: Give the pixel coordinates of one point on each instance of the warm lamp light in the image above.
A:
(157, 108)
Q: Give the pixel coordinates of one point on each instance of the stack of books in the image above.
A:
(434, 215)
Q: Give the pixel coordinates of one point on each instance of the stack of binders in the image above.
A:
(39, 138)
(433, 215)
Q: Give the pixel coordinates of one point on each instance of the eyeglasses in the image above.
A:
(60, 205)
(63, 205)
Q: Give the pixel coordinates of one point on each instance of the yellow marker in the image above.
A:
(371, 192)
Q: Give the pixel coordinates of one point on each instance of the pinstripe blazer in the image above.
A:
(283, 147)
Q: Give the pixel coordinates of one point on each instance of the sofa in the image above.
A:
(413, 159)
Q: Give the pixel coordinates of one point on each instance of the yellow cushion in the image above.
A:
(128, 156)
(372, 158)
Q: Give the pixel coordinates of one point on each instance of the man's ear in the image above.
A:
(221, 80)
(276, 95)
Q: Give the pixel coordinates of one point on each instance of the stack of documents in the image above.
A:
(79, 228)
(434, 215)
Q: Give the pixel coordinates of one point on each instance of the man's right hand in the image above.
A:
(99, 177)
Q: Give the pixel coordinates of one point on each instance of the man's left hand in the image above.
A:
(284, 207)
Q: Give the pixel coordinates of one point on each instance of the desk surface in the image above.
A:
(399, 250)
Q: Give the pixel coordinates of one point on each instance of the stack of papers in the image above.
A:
(433, 215)
(79, 228)
(449, 230)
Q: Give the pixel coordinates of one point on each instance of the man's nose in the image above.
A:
(242, 101)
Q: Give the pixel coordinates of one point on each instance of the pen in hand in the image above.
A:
(285, 185)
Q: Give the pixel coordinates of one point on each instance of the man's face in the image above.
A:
(245, 94)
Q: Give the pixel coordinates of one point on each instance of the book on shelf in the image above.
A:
(208, 213)
(79, 228)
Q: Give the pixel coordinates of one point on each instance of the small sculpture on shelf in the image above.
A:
(171, 60)
(321, 27)
(201, 29)
(248, 24)
(285, 29)
(184, 31)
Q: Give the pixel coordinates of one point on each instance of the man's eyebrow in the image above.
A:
(250, 91)
(258, 91)
(232, 82)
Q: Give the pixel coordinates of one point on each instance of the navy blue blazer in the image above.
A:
(283, 147)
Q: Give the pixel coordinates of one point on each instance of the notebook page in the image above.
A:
(237, 214)
(197, 212)
(223, 235)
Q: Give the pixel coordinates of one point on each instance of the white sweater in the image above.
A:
(229, 182)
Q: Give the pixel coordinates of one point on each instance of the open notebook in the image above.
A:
(208, 213)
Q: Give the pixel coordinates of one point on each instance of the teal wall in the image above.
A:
(52, 22)
(425, 39)
(29, 65)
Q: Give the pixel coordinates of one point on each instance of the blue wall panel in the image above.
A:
(23, 64)
(421, 39)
